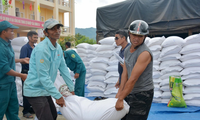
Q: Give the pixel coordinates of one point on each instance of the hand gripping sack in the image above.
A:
(175, 85)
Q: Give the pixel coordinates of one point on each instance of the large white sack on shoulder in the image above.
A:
(107, 41)
(192, 39)
(112, 74)
(157, 94)
(17, 55)
(192, 102)
(166, 95)
(112, 68)
(192, 82)
(100, 60)
(95, 94)
(190, 70)
(191, 63)
(19, 41)
(100, 66)
(112, 79)
(16, 48)
(170, 57)
(107, 54)
(80, 108)
(172, 40)
(192, 89)
(191, 97)
(97, 78)
(98, 72)
(170, 50)
(166, 76)
(171, 69)
(191, 76)
(155, 41)
(111, 90)
(117, 49)
(169, 63)
(155, 48)
(105, 48)
(195, 55)
(191, 48)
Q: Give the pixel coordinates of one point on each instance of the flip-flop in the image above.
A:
(28, 115)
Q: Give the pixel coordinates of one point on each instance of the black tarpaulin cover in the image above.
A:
(161, 15)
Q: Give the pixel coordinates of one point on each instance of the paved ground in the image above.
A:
(60, 117)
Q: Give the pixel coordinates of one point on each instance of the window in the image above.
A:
(17, 12)
(32, 16)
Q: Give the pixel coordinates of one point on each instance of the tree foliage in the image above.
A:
(75, 40)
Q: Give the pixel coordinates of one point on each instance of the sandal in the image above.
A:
(28, 115)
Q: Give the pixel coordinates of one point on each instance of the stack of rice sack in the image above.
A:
(170, 63)
(17, 43)
(86, 52)
(154, 45)
(191, 73)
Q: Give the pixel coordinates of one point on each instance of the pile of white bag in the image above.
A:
(17, 43)
(191, 73)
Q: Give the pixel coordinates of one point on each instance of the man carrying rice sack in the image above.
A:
(46, 59)
(136, 86)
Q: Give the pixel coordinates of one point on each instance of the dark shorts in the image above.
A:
(140, 104)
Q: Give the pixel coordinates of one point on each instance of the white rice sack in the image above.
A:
(156, 100)
(111, 85)
(156, 86)
(155, 48)
(195, 55)
(114, 62)
(112, 74)
(190, 70)
(105, 48)
(107, 41)
(170, 57)
(166, 95)
(112, 68)
(165, 88)
(192, 39)
(100, 60)
(192, 90)
(169, 63)
(156, 62)
(98, 72)
(111, 91)
(96, 86)
(95, 94)
(172, 41)
(16, 48)
(164, 82)
(170, 50)
(191, 97)
(110, 95)
(107, 54)
(191, 63)
(157, 80)
(156, 67)
(156, 55)
(192, 102)
(100, 66)
(155, 41)
(17, 55)
(192, 82)
(117, 49)
(147, 40)
(165, 100)
(113, 58)
(110, 80)
(157, 94)
(166, 76)
(191, 48)
(191, 76)
(80, 108)
(171, 69)
(97, 78)
(84, 45)
(156, 74)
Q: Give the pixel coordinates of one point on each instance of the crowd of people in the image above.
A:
(40, 65)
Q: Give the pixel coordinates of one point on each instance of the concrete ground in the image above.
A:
(60, 117)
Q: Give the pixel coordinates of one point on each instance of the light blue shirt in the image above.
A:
(43, 66)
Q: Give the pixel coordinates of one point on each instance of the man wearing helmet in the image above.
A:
(136, 86)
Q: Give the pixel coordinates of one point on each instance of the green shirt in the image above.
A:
(7, 61)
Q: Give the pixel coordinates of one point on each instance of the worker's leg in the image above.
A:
(80, 84)
(13, 105)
